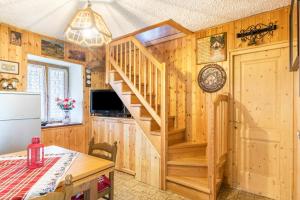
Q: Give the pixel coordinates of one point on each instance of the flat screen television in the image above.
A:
(107, 103)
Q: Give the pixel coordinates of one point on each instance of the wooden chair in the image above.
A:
(108, 152)
(65, 194)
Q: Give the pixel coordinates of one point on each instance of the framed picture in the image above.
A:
(212, 49)
(77, 55)
(294, 35)
(9, 67)
(15, 38)
(52, 48)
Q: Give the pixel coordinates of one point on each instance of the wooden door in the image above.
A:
(263, 115)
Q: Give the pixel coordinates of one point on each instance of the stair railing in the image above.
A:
(148, 80)
(142, 73)
(218, 123)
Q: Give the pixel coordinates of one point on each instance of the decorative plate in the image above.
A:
(212, 78)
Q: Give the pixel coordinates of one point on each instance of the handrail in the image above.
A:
(218, 120)
(143, 74)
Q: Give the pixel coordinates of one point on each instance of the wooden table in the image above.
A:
(85, 171)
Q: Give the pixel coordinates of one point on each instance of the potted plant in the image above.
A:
(66, 105)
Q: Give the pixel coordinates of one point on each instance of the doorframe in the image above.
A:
(231, 139)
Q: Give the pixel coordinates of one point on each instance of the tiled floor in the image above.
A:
(127, 188)
(231, 194)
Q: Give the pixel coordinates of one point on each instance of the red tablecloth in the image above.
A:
(18, 182)
(16, 179)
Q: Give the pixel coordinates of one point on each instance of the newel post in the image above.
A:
(164, 123)
(211, 112)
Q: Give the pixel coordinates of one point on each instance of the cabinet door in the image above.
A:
(98, 129)
(129, 131)
(114, 133)
(78, 139)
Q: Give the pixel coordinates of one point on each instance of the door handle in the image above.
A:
(298, 135)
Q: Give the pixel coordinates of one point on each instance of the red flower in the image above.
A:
(73, 101)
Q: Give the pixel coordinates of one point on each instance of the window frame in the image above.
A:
(67, 84)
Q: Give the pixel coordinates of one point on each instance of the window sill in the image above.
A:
(56, 125)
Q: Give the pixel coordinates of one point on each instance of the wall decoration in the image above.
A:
(52, 48)
(77, 55)
(88, 77)
(212, 49)
(9, 67)
(9, 84)
(256, 32)
(15, 38)
(212, 78)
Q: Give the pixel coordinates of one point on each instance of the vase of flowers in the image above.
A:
(66, 105)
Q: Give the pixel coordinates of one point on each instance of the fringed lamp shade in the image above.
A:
(88, 29)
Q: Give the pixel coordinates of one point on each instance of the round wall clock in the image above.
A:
(212, 78)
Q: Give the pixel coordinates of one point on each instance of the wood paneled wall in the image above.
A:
(201, 99)
(70, 137)
(187, 101)
(180, 56)
(136, 155)
(177, 54)
(279, 16)
(31, 44)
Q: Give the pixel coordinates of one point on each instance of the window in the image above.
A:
(52, 83)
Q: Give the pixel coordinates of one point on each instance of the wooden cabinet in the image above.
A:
(136, 155)
(70, 137)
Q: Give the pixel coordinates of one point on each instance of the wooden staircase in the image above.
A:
(195, 170)
(187, 167)
(142, 84)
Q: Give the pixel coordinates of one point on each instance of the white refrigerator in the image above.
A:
(20, 115)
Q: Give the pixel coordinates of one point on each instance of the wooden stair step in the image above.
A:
(200, 184)
(195, 162)
(129, 92)
(186, 150)
(175, 136)
(187, 145)
(144, 118)
(118, 81)
(136, 105)
(176, 131)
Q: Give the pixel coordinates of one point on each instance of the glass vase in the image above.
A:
(67, 118)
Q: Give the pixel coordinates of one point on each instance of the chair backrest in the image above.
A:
(103, 150)
(65, 194)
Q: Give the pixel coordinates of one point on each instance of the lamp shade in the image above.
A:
(88, 28)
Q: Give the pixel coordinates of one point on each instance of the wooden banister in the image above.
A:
(143, 74)
(218, 120)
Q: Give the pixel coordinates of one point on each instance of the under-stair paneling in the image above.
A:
(136, 155)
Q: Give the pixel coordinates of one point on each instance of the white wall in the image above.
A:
(75, 83)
